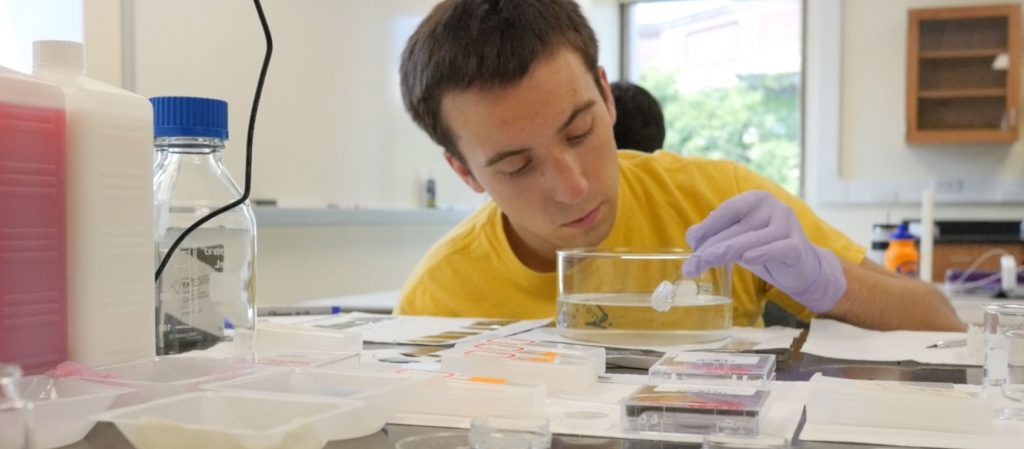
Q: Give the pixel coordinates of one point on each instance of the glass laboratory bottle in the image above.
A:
(901, 256)
(206, 293)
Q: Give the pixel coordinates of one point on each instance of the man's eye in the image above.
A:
(579, 138)
(522, 169)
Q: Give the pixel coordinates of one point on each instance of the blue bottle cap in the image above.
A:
(902, 233)
(189, 117)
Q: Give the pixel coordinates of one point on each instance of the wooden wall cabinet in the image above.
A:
(963, 74)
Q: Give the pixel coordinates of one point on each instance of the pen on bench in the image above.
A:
(297, 310)
(948, 344)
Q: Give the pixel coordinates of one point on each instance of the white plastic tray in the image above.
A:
(62, 408)
(161, 377)
(381, 394)
(218, 419)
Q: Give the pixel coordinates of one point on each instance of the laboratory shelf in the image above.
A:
(277, 216)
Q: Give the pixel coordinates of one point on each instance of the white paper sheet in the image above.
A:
(758, 339)
(837, 340)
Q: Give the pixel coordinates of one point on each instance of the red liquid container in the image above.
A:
(33, 239)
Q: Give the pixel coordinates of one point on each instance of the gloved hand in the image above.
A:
(763, 235)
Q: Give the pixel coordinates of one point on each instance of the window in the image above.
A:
(727, 74)
(25, 21)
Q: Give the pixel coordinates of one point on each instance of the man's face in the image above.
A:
(545, 152)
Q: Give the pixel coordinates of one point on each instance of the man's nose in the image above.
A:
(570, 182)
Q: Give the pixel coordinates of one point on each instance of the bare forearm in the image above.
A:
(878, 300)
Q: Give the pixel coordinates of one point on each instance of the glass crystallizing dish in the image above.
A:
(628, 296)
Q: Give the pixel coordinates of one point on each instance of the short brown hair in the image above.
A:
(465, 44)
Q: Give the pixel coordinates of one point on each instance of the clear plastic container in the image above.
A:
(593, 356)
(562, 368)
(206, 294)
(62, 408)
(109, 223)
(230, 420)
(15, 412)
(925, 406)
(636, 297)
(160, 377)
(444, 440)
(760, 441)
(701, 410)
(33, 238)
(454, 394)
(381, 394)
(285, 337)
(496, 431)
(714, 368)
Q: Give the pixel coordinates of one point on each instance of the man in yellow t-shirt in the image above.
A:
(513, 93)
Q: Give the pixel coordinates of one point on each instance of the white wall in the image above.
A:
(331, 127)
(871, 146)
(103, 40)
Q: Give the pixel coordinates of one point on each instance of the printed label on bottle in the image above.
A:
(205, 293)
(190, 318)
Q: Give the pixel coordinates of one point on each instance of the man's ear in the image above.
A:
(606, 92)
(463, 171)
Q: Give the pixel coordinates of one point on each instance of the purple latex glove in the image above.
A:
(763, 235)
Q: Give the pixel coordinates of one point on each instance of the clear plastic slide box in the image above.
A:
(563, 368)
(689, 409)
(714, 368)
(454, 394)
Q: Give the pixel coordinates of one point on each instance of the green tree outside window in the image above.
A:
(755, 122)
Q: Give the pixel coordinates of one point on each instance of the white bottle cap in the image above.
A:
(58, 55)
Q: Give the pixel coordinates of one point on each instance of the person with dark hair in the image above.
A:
(640, 125)
(513, 93)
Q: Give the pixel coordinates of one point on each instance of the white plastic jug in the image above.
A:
(33, 271)
(110, 211)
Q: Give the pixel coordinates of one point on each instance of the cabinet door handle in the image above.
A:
(1011, 117)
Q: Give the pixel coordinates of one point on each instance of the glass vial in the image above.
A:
(206, 293)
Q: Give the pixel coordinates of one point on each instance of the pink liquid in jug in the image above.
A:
(33, 254)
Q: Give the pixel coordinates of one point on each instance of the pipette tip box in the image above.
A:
(714, 368)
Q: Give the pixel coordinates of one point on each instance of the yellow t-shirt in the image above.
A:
(472, 271)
